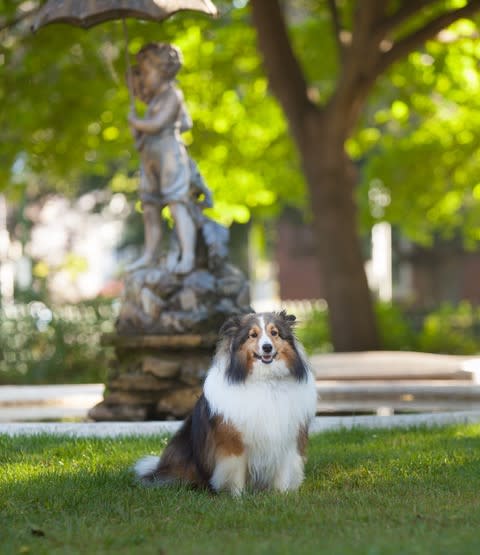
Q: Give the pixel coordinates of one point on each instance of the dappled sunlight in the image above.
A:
(361, 486)
(396, 459)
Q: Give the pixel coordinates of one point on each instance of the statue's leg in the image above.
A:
(153, 230)
(153, 235)
(186, 233)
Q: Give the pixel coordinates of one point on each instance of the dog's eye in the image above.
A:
(274, 333)
(253, 334)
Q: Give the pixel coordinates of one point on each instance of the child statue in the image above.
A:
(167, 173)
(189, 288)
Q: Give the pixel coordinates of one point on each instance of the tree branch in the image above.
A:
(337, 26)
(417, 38)
(367, 16)
(285, 75)
(405, 11)
(357, 69)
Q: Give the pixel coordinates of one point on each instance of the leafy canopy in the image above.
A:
(424, 140)
(64, 105)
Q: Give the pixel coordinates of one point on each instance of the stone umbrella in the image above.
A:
(88, 13)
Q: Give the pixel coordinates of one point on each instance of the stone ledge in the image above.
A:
(166, 342)
(319, 425)
(394, 365)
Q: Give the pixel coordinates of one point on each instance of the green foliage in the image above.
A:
(41, 345)
(454, 330)
(419, 142)
(45, 345)
(314, 332)
(449, 329)
(395, 331)
(366, 491)
(64, 107)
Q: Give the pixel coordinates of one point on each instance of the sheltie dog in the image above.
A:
(249, 428)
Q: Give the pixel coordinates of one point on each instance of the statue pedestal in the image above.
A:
(165, 340)
(154, 377)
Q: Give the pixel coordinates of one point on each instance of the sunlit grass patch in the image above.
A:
(366, 491)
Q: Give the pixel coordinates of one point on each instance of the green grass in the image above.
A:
(366, 492)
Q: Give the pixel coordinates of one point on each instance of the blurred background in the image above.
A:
(70, 219)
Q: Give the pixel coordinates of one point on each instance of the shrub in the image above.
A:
(453, 330)
(314, 332)
(449, 329)
(41, 344)
(396, 333)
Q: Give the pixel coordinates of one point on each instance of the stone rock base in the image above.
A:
(157, 302)
(156, 377)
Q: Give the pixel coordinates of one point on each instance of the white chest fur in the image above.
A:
(269, 410)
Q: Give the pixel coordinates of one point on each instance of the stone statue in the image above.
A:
(179, 292)
(166, 168)
(189, 284)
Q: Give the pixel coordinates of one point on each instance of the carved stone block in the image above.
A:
(161, 367)
(111, 413)
(155, 376)
(139, 382)
(179, 402)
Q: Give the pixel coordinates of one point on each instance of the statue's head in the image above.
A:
(165, 58)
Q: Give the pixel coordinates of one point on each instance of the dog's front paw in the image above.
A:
(289, 476)
(230, 475)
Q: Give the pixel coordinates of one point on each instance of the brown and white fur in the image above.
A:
(250, 426)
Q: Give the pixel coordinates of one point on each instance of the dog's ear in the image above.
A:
(236, 371)
(287, 318)
(230, 327)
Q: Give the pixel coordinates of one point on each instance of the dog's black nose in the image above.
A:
(267, 348)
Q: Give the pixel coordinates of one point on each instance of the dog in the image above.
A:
(249, 428)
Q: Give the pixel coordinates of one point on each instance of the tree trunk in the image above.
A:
(320, 135)
(331, 178)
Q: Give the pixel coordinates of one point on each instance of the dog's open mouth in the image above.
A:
(266, 358)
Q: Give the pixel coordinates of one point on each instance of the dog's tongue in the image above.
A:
(267, 358)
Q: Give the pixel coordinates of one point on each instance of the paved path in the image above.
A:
(394, 365)
(48, 402)
(355, 383)
(320, 424)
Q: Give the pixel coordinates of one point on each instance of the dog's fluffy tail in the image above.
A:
(146, 467)
(150, 472)
(181, 461)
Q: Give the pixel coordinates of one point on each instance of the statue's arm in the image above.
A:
(160, 119)
(185, 120)
(207, 193)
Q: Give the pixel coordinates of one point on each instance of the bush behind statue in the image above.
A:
(44, 344)
(449, 329)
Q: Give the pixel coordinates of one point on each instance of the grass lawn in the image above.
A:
(366, 492)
